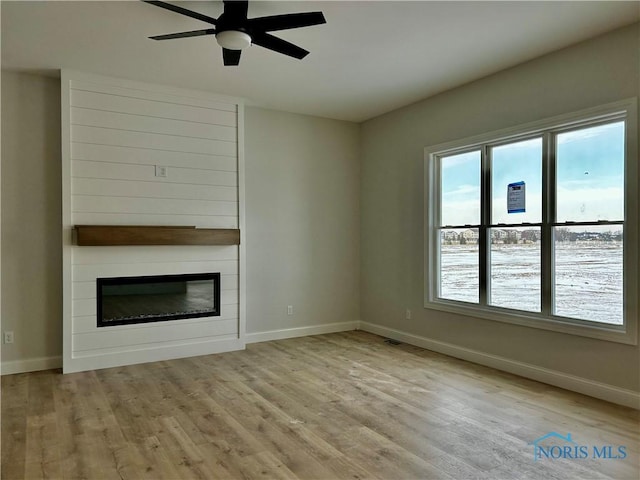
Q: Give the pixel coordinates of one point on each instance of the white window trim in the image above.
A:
(626, 333)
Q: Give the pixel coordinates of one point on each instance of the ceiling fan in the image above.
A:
(234, 31)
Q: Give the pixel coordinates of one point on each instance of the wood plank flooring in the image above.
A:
(338, 406)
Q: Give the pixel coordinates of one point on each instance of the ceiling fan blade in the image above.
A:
(287, 21)
(193, 33)
(182, 11)
(231, 57)
(278, 45)
(236, 9)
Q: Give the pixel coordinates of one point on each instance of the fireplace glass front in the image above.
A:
(128, 300)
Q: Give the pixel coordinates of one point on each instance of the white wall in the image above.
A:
(592, 73)
(303, 221)
(114, 135)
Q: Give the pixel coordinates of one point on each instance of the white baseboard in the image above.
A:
(603, 391)
(31, 365)
(94, 361)
(113, 360)
(300, 331)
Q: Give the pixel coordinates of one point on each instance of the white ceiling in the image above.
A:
(371, 57)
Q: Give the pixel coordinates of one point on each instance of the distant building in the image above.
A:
(449, 235)
(532, 235)
(470, 235)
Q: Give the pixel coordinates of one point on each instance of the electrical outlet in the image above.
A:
(407, 314)
(8, 337)
(161, 171)
(289, 309)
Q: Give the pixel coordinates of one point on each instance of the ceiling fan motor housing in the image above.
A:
(231, 32)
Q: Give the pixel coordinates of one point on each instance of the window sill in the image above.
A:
(611, 333)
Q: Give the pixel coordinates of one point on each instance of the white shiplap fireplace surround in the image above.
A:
(115, 135)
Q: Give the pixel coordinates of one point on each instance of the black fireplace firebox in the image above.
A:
(129, 300)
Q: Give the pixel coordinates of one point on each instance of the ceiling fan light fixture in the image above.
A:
(233, 39)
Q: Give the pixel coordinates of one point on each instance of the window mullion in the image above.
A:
(483, 231)
(548, 218)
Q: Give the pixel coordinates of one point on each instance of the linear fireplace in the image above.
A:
(129, 300)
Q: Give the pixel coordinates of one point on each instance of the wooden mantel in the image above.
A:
(118, 235)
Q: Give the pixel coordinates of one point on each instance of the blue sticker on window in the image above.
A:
(516, 197)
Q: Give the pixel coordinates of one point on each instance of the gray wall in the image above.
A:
(31, 216)
(308, 193)
(302, 220)
(595, 72)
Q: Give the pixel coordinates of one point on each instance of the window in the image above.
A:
(538, 225)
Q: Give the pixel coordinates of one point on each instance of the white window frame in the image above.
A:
(627, 332)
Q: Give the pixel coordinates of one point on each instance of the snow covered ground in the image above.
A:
(588, 278)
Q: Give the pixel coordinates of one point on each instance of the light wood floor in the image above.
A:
(339, 406)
